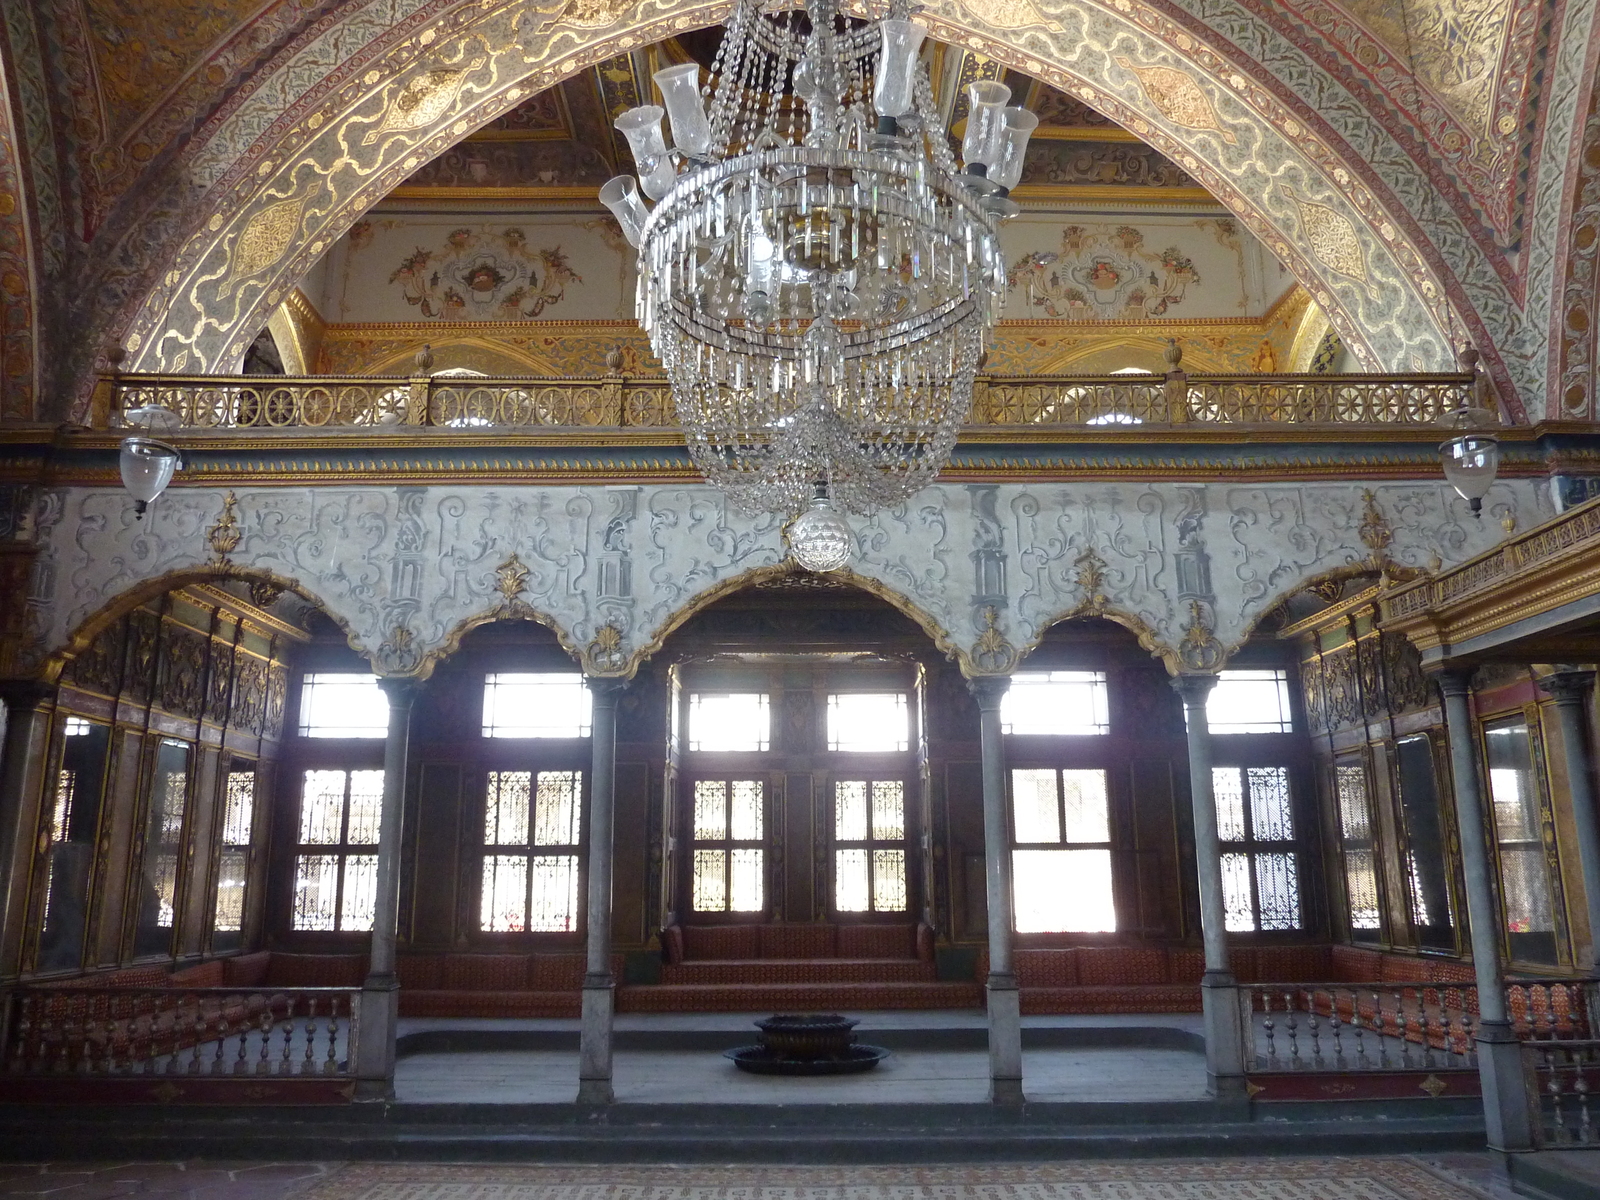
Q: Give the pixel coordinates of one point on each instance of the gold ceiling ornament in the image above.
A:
(596, 14)
(1376, 535)
(264, 241)
(1178, 98)
(1332, 238)
(992, 654)
(510, 578)
(422, 101)
(604, 655)
(1199, 650)
(1011, 14)
(1089, 570)
(224, 536)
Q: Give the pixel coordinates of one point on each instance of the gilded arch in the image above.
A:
(1194, 100)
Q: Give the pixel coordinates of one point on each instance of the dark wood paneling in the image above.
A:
(433, 894)
(631, 845)
(800, 900)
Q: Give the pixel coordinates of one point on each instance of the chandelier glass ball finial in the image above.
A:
(818, 276)
(820, 539)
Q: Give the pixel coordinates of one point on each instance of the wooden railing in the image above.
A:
(204, 402)
(241, 1035)
(1563, 1076)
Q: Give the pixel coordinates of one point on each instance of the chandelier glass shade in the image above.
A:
(818, 277)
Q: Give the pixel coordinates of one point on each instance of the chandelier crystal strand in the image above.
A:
(817, 277)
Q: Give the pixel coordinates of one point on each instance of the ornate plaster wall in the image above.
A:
(985, 568)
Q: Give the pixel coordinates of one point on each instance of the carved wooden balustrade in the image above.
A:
(280, 402)
(1413, 1034)
(240, 1036)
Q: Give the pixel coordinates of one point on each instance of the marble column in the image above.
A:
(1005, 1010)
(1226, 1019)
(1505, 1102)
(1570, 688)
(599, 987)
(21, 788)
(380, 993)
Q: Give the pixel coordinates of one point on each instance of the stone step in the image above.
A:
(799, 970)
(796, 997)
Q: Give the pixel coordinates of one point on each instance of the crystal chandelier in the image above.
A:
(818, 277)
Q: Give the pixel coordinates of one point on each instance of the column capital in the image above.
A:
(1194, 688)
(1568, 685)
(402, 690)
(989, 690)
(606, 689)
(1454, 681)
(20, 695)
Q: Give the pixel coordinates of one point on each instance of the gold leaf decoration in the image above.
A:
(224, 537)
(1375, 532)
(1332, 238)
(1090, 570)
(510, 577)
(265, 239)
(421, 102)
(1010, 14)
(596, 14)
(1178, 98)
(1199, 650)
(605, 651)
(991, 653)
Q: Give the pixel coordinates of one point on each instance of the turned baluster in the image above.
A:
(197, 1037)
(330, 1066)
(1557, 1122)
(1470, 1049)
(1292, 1027)
(1334, 1024)
(1313, 1026)
(285, 1066)
(1580, 1088)
(1402, 1028)
(311, 1033)
(1381, 1023)
(1355, 1023)
(267, 1023)
(1267, 1026)
(241, 1064)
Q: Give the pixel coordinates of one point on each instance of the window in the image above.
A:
(536, 706)
(869, 839)
(233, 865)
(1358, 847)
(530, 852)
(336, 868)
(868, 722)
(163, 849)
(1250, 702)
(1061, 856)
(1427, 862)
(739, 722)
(1524, 870)
(343, 706)
(729, 851)
(70, 828)
(1260, 863)
(1053, 703)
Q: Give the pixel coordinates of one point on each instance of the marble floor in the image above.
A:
(1445, 1177)
(705, 1076)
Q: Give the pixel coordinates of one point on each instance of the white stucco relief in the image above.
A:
(987, 568)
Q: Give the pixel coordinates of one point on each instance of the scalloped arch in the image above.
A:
(286, 183)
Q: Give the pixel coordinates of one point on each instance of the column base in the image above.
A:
(1506, 1110)
(594, 1041)
(371, 1090)
(1005, 1040)
(1227, 1034)
(375, 1032)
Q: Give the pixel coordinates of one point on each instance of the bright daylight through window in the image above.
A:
(343, 706)
(736, 722)
(1061, 861)
(868, 722)
(536, 706)
(1250, 702)
(1050, 703)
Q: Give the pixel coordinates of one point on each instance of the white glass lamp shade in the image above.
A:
(642, 127)
(896, 79)
(147, 467)
(1016, 127)
(986, 101)
(680, 91)
(1471, 461)
(621, 195)
(820, 539)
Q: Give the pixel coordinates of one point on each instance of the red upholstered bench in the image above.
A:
(493, 985)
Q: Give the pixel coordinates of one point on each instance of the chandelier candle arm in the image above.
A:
(817, 278)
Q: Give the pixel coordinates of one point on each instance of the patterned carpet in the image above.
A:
(1212, 1179)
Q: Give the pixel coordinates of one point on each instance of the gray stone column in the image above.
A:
(1005, 1010)
(1570, 687)
(599, 987)
(1226, 1018)
(21, 785)
(1505, 1101)
(380, 993)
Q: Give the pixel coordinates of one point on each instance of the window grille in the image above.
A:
(1061, 851)
(233, 864)
(531, 846)
(1525, 887)
(1260, 856)
(163, 848)
(728, 855)
(869, 838)
(336, 862)
(1358, 847)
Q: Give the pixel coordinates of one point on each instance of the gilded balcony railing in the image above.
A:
(338, 402)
